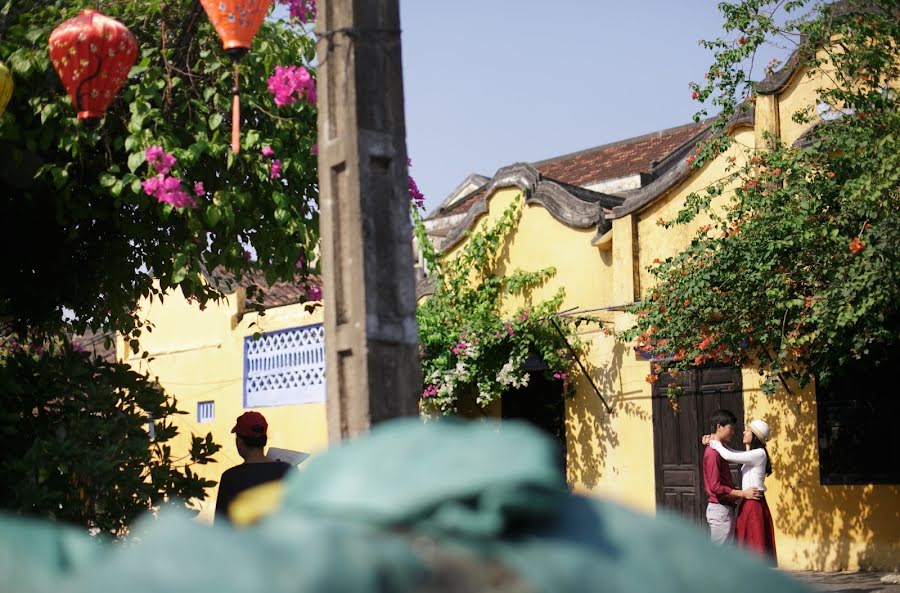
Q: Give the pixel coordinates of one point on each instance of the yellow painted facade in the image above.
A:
(817, 527)
(198, 356)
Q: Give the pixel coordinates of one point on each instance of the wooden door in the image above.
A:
(676, 435)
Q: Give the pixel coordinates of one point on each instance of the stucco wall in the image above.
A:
(817, 527)
(198, 356)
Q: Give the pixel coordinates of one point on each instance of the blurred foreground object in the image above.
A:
(431, 507)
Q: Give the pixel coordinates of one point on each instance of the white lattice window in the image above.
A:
(285, 367)
(206, 411)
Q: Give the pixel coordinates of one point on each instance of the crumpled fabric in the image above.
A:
(363, 516)
(35, 555)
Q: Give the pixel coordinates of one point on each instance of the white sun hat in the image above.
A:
(760, 428)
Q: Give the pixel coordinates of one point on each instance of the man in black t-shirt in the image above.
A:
(250, 439)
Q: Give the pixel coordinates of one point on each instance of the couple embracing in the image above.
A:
(739, 514)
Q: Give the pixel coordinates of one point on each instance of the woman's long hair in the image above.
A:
(758, 444)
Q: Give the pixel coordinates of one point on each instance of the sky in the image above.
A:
(491, 82)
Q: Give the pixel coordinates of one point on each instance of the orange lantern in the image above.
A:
(92, 54)
(236, 22)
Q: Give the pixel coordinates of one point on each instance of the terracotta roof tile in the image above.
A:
(278, 294)
(619, 159)
(609, 161)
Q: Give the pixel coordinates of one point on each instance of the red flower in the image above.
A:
(691, 159)
(831, 174)
(695, 95)
(742, 40)
(856, 245)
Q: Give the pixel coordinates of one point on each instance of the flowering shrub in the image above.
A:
(91, 193)
(472, 343)
(799, 271)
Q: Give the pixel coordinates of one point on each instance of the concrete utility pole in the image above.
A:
(371, 339)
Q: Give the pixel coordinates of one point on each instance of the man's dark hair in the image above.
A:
(723, 418)
(255, 442)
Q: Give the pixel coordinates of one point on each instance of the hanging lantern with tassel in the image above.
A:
(92, 54)
(236, 22)
(6, 87)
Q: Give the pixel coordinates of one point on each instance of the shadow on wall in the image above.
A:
(592, 435)
(822, 527)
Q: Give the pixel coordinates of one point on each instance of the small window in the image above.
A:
(206, 411)
(856, 410)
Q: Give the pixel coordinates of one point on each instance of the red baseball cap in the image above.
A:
(250, 424)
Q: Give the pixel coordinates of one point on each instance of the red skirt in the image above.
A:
(754, 528)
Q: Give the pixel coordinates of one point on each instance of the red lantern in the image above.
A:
(236, 22)
(92, 54)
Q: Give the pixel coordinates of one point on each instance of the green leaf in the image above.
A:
(106, 180)
(213, 215)
(60, 177)
(179, 275)
(135, 160)
(215, 120)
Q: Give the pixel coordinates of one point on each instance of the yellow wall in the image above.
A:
(198, 356)
(817, 527)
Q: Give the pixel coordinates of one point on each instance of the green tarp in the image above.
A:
(369, 515)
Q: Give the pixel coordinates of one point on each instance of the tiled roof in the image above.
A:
(95, 343)
(276, 295)
(619, 159)
(609, 161)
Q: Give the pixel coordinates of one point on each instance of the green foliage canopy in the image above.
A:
(800, 272)
(84, 235)
(472, 347)
(76, 443)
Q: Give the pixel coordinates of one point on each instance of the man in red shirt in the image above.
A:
(721, 495)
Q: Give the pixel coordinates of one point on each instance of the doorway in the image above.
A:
(677, 449)
(542, 404)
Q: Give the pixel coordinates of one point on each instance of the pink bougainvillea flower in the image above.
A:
(417, 197)
(313, 292)
(159, 159)
(164, 164)
(154, 153)
(275, 171)
(199, 190)
(150, 186)
(303, 11)
(290, 83)
(314, 149)
(168, 190)
(267, 151)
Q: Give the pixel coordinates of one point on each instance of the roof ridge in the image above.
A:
(647, 136)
